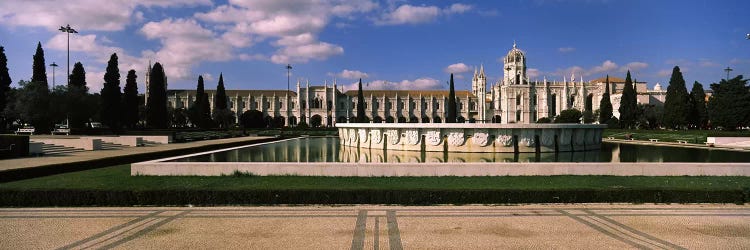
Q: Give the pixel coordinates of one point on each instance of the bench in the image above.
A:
(710, 144)
(682, 141)
(25, 131)
(610, 138)
(654, 140)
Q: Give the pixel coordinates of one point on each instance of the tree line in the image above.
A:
(33, 103)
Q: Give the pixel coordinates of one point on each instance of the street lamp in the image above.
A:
(728, 69)
(54, 65)
(68, 29)
(288, 73)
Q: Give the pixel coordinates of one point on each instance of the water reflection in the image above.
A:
(328, 149)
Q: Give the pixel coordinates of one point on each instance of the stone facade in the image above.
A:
(514, 99)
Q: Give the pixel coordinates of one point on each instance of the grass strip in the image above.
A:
(113, 186)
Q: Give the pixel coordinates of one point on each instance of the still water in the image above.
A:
(328, 149)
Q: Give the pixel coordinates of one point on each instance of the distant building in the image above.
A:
(512, 99)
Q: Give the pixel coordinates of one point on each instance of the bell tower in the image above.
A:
(514, 67)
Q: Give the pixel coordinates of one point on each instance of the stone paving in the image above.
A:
(81, 156)
(585, 226)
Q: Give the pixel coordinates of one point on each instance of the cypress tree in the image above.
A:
(450, 117)
(360, 103)
(78, 111)
(220, 101)
(156, 108)
(729, 106)
(111, 94)
(5, 82)
(201, 111)
(605, 105)
(628, 104)
(33, 100)
(130, 100)
(39, 70)
(699, 114)
(676, 107)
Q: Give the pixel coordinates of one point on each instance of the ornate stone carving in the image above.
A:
(412, 136)
(393, 136)
(376, 138)
(527, 139)
(480, 137)
(433, 137)
(352, 136)
(504, 138)
(456, 137)
(362, 135)
(548, 138)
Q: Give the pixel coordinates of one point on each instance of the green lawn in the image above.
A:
(691, 136)
(118, 178)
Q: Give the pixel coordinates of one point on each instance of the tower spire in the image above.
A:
(481, 70)
(514, 43)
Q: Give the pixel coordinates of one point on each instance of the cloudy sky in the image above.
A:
(391, 44)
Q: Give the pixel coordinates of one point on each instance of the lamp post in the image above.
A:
(54, 65)
(288, 73)
(68, 29)
(728, 69)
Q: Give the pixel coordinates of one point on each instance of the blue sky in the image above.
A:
(391, 44)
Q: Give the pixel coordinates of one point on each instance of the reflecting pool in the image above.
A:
(328, 149)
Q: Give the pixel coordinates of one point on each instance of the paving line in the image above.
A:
(376, 244)
(620, 231)
(111, 230)
(358, 239)
(145, 230)
(394, 236)
(665, 243)
(604, 231)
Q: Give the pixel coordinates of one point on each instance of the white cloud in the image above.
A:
(305, 53)
(607, 66)
(664, 72)
(458, 8)
(457, 68)
(184, 44)
(82, 14)
(423, 83)
(566, 49)
(352, 74)
(707, 63)
(636, 66)
(533, 73)
(408, 14)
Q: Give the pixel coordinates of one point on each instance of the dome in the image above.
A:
(515, 55)
(657, 87)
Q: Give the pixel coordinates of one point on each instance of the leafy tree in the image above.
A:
(699, 114)
(156, 107)
(178, 117)
(628, 104)
(252, 119)
(569, 116)
(605, 105)
(450, 117)
(544, 120)
(111, 95)
(588, 116)
(676, 107)
(200, 112)
(130, 101)
(729, 106)
(316, 121)
(360, 103)
(5, 82)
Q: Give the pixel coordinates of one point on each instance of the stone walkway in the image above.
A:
(587, 226)
(82, 156)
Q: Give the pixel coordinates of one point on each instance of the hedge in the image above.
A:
(68, 197)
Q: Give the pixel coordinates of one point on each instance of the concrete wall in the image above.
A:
(726, 140)
(472, 137)
(83, 143)
(439, 169)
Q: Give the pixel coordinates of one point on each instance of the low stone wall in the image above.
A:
(472, 137)
(83, 143)
(438, 169)
(161, 139)
(133, 141)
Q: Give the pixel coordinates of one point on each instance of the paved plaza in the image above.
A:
(591, 226)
